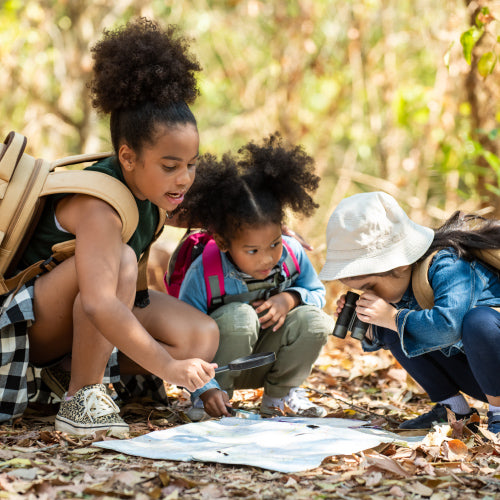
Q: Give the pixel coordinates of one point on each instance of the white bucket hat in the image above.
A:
(370, 233)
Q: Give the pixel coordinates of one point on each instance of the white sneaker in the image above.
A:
(296, 400)
(197, 411)
(90, 410)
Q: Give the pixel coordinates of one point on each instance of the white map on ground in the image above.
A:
(283, 444)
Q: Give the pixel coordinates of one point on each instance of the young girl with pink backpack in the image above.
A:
(241, 200)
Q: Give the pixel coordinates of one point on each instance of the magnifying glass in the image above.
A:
(245, 363)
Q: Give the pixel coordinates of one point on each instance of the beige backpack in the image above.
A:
(24, 184)
(420, 278)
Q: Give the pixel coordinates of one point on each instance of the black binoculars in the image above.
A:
(348, 320)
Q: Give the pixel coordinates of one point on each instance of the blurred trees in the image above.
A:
(380, 92)
(481, 49)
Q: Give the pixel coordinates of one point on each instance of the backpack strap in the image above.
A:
(81, 158)
(100, 185)
(10, 154)
(490, 255)
(214, 277)
(420, 283)
(88, 182)
(291, 264)
(64, 250)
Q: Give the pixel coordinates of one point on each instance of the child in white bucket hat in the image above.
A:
(448, 347)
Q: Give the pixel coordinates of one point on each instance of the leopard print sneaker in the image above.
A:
(90, 410)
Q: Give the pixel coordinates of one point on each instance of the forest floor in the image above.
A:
(451, 462)
(36, 462)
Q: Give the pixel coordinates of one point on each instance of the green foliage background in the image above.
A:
(385, 94)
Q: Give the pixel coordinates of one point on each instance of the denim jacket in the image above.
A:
(306, 284)
(458, 287)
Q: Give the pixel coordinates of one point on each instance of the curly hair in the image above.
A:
(251, 189)
(143, 76)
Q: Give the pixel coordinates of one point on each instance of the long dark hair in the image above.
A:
(466, 233)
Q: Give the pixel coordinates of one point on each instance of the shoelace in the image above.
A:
(98, 404)
(297, 399)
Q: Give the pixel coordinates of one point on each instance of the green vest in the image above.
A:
(47, 234)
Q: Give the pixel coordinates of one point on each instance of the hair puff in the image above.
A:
(141, 62)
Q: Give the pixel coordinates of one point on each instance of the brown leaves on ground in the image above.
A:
(451, 462)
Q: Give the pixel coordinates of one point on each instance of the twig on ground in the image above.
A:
(352, 405)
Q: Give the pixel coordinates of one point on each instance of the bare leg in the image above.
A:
(51, 334)
(61, 326)
(91, 350)
(183, 330)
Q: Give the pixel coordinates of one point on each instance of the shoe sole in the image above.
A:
(420, 428)
(271, 412)
(471, 426)
(65, 425)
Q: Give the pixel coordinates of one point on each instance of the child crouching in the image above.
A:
(273, 298)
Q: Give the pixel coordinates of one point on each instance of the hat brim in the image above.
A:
(347, 264)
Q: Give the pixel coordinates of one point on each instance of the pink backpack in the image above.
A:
(198, 242)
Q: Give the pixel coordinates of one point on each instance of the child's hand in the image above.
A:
(277, 306)
(340, 304)
(216, 402)
(370, 308)
(191, 373)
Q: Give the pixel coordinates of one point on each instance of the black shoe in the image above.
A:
(438, 415)
(56, 379)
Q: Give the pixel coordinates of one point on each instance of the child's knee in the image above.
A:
(207, 341)
(312, 322)
(127, 274)
(236, 319)
(479, 324)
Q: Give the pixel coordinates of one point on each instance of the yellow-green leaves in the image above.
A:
(469, 39)
(486, 63)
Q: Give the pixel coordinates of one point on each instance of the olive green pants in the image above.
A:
(297, 344)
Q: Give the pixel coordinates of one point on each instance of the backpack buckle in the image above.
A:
(49, 264)
(217, 301)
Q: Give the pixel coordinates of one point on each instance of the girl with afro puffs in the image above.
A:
(241, 200)
(144, 77)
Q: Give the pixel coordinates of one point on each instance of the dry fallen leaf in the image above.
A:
(454, 449)
(388, 464)
(38, 463)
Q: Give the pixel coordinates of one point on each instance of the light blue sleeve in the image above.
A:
(211, 384)
(193, 290)
(307, 285)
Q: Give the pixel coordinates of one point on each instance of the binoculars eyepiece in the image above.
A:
(348, 320)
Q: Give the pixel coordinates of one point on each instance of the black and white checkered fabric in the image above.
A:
(14, 353)
(19, 381)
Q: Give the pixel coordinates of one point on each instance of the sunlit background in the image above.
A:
(384, 94)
